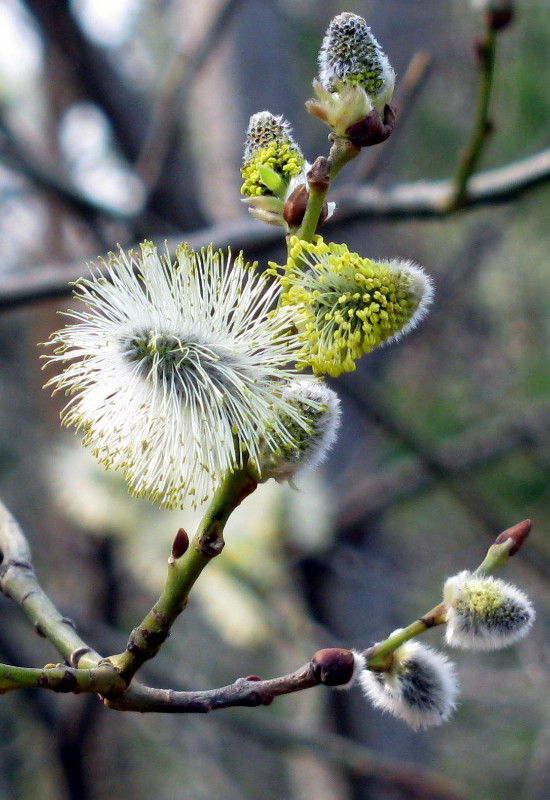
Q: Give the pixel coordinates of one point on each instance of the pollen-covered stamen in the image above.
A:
(346, 305)
(271, 156)
(351, 54)
(176, 370)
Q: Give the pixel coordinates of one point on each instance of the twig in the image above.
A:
(472, 151)
(431, 198)
(60, 678)
(249, 692)
(112, 678)
(184, 567)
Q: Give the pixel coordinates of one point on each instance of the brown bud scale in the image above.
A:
(333, 666)
(496, 20)
(518, 533)
(318, 176)
(295, 206)
(372, 129)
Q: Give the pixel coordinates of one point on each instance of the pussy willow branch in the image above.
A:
(61, 678)
(320, 178)
(183, 571)
(243, 692)
(379, 657)
(88, 672)
(401, 201)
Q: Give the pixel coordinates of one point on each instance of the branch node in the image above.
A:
(77, 654)
(211, 543)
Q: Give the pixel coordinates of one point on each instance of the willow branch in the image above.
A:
(432, 198)
(249, 692)
(61, 678)
(184, 567)
(19, 583)
(507, 544)
(112, 678)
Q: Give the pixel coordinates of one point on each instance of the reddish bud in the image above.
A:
(295, 206)
(252, 678)
(372, 129)
(181, 543)
(518, 533)
(333, 666)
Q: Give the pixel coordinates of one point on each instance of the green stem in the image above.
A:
(341, 153)
(208, 542)
(314, 208)
(379, 657)
(497, 556)
(320, 178)
(472, 151)
(60, 678)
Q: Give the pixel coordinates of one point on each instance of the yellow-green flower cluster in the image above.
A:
(346, 305)
(271, 156)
